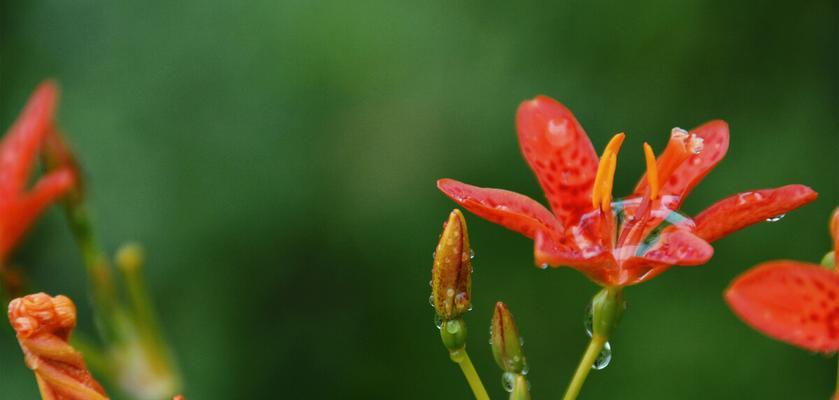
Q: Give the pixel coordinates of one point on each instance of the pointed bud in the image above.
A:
(451, 275)
(506, 342)
(607, 307)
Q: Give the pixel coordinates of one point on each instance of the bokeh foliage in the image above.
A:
(278, 159)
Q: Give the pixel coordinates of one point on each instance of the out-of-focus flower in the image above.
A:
(20, 206)
(451, 274)
(43, 325)
(792, 301)
(625, 241)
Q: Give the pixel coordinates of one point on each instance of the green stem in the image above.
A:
(462, 359)
(520, 391)
(836, 395)
(142, 311)
(592, 351)
(104, 294)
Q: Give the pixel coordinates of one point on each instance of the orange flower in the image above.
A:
(626, 241)
(18, 206)
(791, 301)
(43, 325)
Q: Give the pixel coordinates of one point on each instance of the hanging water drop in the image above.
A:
(438, 322)
(776, 218)
(588, 320)
(508, 380)
(521, 341)
(543, 266)
(603, 359)
(431, 300)
(471, 254)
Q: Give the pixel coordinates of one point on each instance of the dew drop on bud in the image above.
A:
(543, 266)
(471, 254)
(776, 218)
(521, 340)
(588, 320)
(431, 300)
(508, 380)
(603, 359)
(438, 322)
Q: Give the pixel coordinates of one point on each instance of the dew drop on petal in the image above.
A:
(471, 254)
(603, 359)
(543, 266)
(776, 218)
(508, 380)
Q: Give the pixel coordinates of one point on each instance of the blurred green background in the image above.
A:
(278, 159)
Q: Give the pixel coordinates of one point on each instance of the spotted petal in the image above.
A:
(747, 208)
(20, 145)
(714, 135)
(595, 262)
(511, 210)
(791, 301)
(677, 247)
(560, 154)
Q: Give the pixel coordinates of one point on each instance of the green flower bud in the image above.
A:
(453, 333)
(607, 307)
(451, 275)
(829, 260)
(505, 340)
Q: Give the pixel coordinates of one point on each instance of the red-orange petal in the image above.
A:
(20, 145)
(678, 247)
(714, 135)
(741, 210)
(596, 263)
(791, 301)
(560, 154)
(511, 210)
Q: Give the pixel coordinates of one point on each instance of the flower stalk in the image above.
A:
(607, 308)
(451, 292)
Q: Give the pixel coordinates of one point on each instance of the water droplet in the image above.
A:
(457, 355)
(471, 254)
(453, 328)
(508, 380)
(431, 300)
(437, 321)
(776, 218)
(588, 320)
(521, 341)
(603, 359)
(434, 254)
(543, 266)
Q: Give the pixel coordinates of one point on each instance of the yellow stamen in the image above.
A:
(601, 195)
(652, 171)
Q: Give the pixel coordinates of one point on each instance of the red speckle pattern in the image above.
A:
(791, 301)
(641, 237)
(560, 154)
(747, 208)
(511, 210)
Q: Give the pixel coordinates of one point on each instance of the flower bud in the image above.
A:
(451, 275)
(607, 307)
(505, 340)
